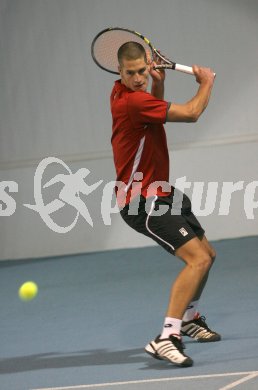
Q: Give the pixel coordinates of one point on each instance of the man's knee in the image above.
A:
(213, 255)
(197, 255)
(208, 248)
(203, 261)
(200, 260)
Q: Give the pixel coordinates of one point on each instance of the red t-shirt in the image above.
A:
(139, 144)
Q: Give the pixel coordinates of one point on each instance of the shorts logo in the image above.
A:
(183, 232)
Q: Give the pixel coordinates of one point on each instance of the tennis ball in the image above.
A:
(28, 291)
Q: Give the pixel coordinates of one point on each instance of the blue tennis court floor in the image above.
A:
(95, 312)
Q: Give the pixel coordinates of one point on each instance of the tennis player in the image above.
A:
(148, 203)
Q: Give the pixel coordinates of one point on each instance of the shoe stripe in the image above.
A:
(166, 349)
(197, 332)
(169, 351)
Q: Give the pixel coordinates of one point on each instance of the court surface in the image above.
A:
(95, 312)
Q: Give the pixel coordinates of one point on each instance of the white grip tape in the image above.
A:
(184, 68)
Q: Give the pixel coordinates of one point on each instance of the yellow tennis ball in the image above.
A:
(28, 291)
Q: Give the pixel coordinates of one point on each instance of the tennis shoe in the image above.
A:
(170, 349)
(198, 330)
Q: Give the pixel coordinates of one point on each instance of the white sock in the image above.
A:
(171, 326)
(190, 311)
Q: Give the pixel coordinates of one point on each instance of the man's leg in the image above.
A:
(189, 282)
(193, 324)
(168, 345)
(211, 251)
(186, 291)
(191, 311)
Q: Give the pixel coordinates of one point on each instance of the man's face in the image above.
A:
(135, 74)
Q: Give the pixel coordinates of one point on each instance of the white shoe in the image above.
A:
(170, 349)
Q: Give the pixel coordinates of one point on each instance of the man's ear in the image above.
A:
(119, 69)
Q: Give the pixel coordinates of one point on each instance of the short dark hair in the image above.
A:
(131, 51)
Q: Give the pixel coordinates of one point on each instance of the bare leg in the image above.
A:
(212, 254)
(191, 280)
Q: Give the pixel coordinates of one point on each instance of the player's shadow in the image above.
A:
(97, 357)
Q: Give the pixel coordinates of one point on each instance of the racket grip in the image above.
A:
(180, 68)
(184, 68)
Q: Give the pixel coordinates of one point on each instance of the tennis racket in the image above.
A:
(105, 46)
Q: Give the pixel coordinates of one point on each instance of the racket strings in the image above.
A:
(106, 45)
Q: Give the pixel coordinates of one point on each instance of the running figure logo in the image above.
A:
(73, 186)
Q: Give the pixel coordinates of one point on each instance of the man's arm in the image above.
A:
(191, 110)
(157, 90)
(158, 78)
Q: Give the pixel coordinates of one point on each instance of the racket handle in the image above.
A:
(184, 68)
(180, 68)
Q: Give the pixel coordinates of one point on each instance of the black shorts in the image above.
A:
(170, 223)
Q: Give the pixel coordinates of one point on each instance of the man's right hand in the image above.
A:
(203, 74)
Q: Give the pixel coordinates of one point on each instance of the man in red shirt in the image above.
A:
(148, 203)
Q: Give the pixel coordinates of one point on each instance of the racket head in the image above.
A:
(105, 46)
